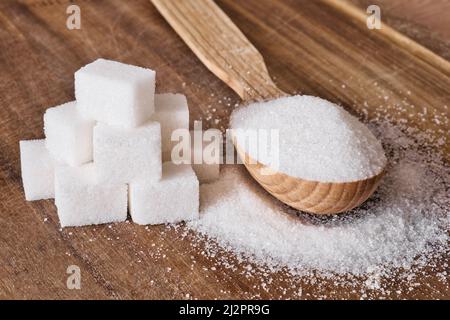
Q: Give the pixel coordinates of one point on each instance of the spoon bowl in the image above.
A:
(311, 196)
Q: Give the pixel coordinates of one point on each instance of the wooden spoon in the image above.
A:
(226, 52)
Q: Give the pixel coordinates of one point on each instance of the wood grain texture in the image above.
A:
(38, 56)
(425, 21)
(397, 37)
(221, 46)
(311, 196)
(427, 13)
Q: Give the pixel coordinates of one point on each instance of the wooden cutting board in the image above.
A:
(311, 47)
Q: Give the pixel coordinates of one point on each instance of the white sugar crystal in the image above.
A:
(115, 93)
(392, 230)
(173, 199)
(82, 200)
(318, 140)
(68, 136)
(172, 112)
(37, 170)
(404, 225)
(124, 155)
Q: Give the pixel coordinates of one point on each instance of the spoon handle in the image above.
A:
(221, 46)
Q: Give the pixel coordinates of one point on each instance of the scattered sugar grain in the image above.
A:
(404, 225)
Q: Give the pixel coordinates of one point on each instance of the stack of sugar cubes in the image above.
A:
(103, 153)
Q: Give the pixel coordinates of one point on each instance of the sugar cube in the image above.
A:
(172, 112)
(124, 155)
(173, 199)
(82, 200)
(115, 93)
(37, 170)
(68, 136)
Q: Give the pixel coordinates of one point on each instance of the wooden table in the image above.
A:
(425, 21)
(309, 46)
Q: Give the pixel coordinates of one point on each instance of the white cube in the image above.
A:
(82, 200)
(115, 93)
(37, 170)
(172, 112)
(125, 155)
(173, 199)
(68, 136)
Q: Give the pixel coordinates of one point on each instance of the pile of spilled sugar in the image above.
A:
(318, 140)
(403, 226)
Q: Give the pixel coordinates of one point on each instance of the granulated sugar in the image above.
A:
(318, 140)
(405, 223)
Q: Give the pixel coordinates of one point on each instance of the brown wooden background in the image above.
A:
(309, 47)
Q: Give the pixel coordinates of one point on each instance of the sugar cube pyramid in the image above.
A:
(103, 152)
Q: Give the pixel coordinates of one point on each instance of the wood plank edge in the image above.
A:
(402, 40)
